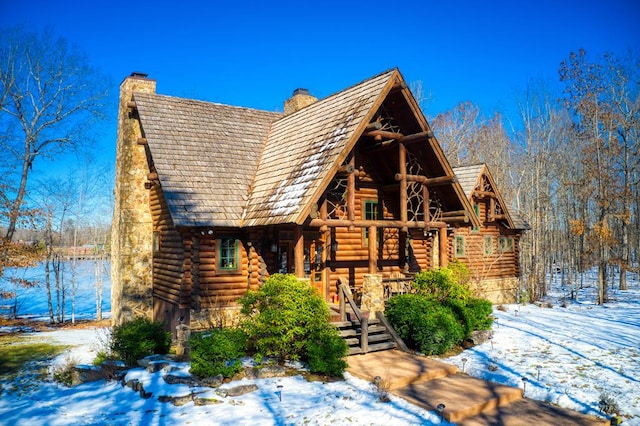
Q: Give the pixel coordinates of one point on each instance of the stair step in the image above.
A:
(397, 368)
(463, 396)
(384, 346)
(347, 332)
(531, 412)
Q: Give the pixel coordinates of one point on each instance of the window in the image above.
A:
(370, 213)
(487, 245)
(505, 244)
(476, 209)
(156, 242)
(459, 246)
(228, 254)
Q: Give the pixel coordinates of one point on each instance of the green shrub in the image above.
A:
(441, 285)
(424, 324)
(285, 317)
(326, 352)
(473, 314)
(138, 338)
(217, 352)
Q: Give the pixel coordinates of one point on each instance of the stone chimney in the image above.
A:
(132, 226)
(300, 99)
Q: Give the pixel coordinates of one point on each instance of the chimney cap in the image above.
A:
(301, 91)
(139, 74)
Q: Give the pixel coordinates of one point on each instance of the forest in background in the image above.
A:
(566, 159)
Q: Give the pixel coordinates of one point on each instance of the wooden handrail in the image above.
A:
(403, 347)
(344, 295)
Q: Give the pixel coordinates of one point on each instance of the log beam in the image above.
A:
(444, 247)
(378, 223)
(373, 249)
(428, 134)
(384, 134)
(441, 180)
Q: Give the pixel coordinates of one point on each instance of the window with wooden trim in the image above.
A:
(228, 254)
(370, 212)
(460, 242)
(505, 244)
(476, 210)
(487, 245)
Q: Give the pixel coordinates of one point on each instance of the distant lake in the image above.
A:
(32, 302)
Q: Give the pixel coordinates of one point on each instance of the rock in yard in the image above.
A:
(85, 373)
(237, 391)
(180, 380)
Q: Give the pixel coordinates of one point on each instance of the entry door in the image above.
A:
(285, 258)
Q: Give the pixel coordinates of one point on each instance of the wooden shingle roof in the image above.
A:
(206, 155)
(303, 151)
(470, 177)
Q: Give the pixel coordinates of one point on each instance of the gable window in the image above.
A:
(476, 209)
(228, 258)
(459, 246)
(487, 245)
(370, 211)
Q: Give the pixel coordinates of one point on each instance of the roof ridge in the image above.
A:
(200, 101)
(340, 92)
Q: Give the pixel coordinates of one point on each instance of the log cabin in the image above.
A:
(211, 199)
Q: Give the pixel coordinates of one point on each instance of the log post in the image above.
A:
(298, 252)
(402, 167)
(444, 247)
(373, 249)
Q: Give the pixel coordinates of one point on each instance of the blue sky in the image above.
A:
(255, 53)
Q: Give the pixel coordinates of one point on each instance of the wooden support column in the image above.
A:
(298, 252)
(402, 167)
(444, 247)
(373, 250)
(351, 191)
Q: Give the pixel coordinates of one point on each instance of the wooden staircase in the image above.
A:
(376, 337)
(364, 334)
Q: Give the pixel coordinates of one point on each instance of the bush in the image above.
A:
(441, 284)
(217, 352)
(424, 324)
(138, 338)
(473, 314)
(285, 318)
(326, 352)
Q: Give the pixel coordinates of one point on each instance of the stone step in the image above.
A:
(462, 396)
(397, 369)
(530, 412)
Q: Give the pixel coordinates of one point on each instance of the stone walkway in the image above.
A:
(461, 399)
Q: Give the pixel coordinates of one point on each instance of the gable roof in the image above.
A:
(470, 177)
(314, 141)
(205, 154)
(228, 166)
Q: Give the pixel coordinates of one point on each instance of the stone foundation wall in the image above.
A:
(498, 290)
(205, 319)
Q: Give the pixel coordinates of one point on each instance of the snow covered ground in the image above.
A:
(569, 355)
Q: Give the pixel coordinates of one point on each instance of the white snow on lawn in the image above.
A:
(569, 355)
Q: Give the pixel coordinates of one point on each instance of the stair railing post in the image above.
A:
(364, 338)
(343, 305)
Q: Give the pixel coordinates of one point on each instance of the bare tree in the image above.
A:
(49, 99)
